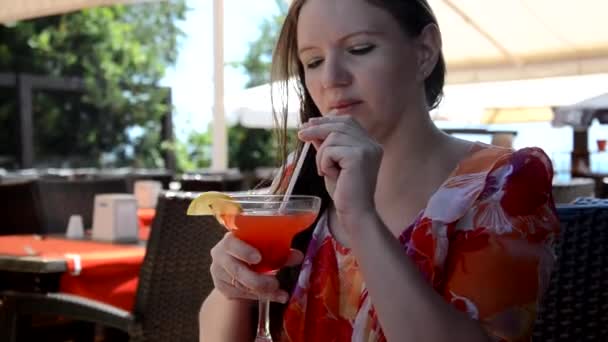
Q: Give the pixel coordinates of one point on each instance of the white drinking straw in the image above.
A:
(294, 176)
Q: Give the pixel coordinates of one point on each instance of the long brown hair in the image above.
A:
(412, 15)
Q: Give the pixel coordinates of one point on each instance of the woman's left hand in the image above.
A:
(349, 159)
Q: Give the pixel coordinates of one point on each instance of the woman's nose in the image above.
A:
(335, 73)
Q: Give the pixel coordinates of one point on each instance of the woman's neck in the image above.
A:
(417, 160)
(411, 151)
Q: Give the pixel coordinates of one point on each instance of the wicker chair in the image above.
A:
(591, 201)
(21, 210)
(173, 282)
(575, 306)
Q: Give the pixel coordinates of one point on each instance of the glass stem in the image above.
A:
(263, 334)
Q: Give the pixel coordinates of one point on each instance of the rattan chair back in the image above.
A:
(575, 306)
(174, 279)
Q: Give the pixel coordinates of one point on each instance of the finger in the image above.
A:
(241, 250)
(237, 288)
(229, 286)
(319, 157)
(321, 131)
(295, 258)
(317, 144)
(330, 117)
(329, 164)
(233, 292)
(225, 277)
(338, 119)
(256, 282)
(334, 139)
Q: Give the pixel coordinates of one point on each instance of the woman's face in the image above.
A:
(358, 61)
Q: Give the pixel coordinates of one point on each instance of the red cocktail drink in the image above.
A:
(266, 222)
(269, 232)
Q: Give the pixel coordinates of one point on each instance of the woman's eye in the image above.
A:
(313, 63)
(361, 49)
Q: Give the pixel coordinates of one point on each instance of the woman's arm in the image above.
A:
(495, 268)
(408, 308)
(223, 319)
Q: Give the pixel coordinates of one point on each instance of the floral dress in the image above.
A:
(484, 243)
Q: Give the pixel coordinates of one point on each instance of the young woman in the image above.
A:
(422, 237)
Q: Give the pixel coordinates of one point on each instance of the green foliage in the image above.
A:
(195, 153)
(258, 60)
(121, 52)
(250, 147)
(253, 147)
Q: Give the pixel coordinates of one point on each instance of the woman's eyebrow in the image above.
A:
(346, 37)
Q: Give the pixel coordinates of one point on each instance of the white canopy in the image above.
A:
(252, 107)
(515, 101)
(490, 40)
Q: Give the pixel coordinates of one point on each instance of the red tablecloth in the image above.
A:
(102, 271)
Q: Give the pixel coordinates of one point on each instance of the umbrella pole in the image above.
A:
(580, 165)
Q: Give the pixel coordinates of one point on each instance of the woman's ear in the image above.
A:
(428, 45)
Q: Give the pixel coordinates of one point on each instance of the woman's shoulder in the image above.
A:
(515, 184)
(487, 171)
(527, 171)
(495, 194)
(488, 159)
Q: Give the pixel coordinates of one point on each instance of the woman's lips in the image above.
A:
(344, 107)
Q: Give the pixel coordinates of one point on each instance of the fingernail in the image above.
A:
(282, 298)
(254, 258)
(313, 121)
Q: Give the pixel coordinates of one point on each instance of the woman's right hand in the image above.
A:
(233, 278)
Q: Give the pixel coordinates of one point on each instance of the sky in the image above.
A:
(191, 79)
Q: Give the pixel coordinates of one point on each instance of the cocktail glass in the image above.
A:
(267, 223)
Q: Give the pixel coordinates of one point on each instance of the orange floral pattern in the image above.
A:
(483, 242)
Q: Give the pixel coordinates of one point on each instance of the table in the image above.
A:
(102, 271)
(567, 190)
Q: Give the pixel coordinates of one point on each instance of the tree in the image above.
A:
(121, 52)
(258, 60)
(195, 153)
(249, 147)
